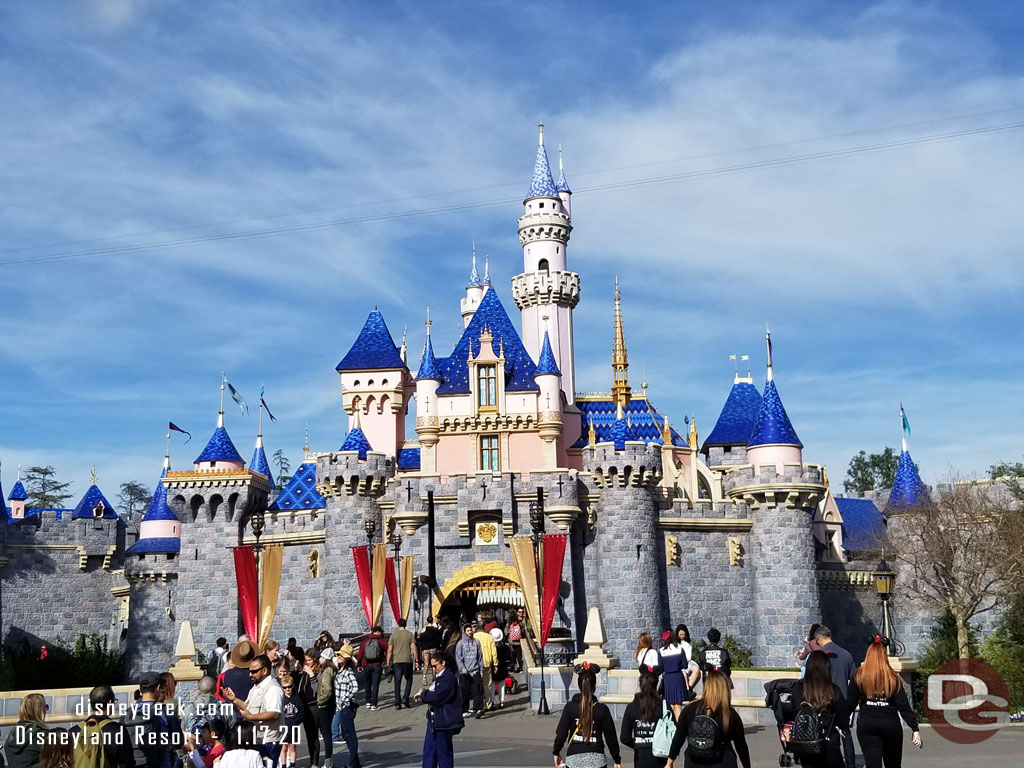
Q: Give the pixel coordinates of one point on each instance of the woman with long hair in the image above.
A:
(826, 700)
(882, 698)
(24, 752)
(712, 729)
(810, 645)
(323, 673)
(587, 725)
(58, 751)
(646, 655)
(306, 682)
(675, 663)
(641, 718)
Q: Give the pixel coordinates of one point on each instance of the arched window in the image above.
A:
(542, 266)
(487, 386)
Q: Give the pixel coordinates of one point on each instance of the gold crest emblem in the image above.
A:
(487, 532)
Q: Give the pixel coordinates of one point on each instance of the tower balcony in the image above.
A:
(800, 485)
(536, 288)
(544, 225)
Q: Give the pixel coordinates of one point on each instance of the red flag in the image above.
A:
(392, 586)
(175, 428)
(554, 555)
(248, 590)
(361, 557)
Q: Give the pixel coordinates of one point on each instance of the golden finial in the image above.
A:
(666, 433)
(620, 359)
(93, 474)
(591, 435)
(693, 432)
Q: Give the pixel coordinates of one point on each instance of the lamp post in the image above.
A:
(885, 580)
(370, 526)
(395, 540)
(537, 524)
(258, 521)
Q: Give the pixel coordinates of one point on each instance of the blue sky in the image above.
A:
(851, 176)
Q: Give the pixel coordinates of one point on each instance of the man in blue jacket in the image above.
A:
(444, 718)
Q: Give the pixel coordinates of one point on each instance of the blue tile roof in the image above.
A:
(220, 448)
(772, 426)
(92, 497)
(863, 524)
(542, 184)
(373, 349)
(736, 421)
(159, 546)
(547, 363)
(260, 464)
(158, 507)
(300, 492)
(621, 431)
(907, 489)
(647, 423)
(429, 369)
(409, 458)
(562, 185)
(18, 492)
(519, 367)
(356, 441)
(474, 276)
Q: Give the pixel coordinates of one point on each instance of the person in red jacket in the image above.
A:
(372, 653)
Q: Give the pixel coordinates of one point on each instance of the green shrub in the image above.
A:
(741, 657)
(85, 663)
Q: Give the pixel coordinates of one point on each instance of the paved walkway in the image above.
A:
(514, 736)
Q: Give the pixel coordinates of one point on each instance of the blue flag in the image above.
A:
(237, 398)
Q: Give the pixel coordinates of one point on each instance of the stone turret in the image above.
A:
(626, 538)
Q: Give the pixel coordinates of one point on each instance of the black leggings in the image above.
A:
(324, 716)
(881, 741)
(311, 728)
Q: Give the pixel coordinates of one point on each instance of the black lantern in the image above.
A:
(885, 582)
(258, 521)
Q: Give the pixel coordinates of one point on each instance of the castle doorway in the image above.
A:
(483, 589)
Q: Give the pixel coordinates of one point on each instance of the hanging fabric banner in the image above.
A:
(554, 555)
(392, 588)
(380, 562)
(361, 557)
(407, 584)
(248, 589)
(526, 567)
(270, 560)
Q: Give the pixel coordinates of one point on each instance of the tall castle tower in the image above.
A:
(546, 292)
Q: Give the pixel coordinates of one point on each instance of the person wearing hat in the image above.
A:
(263, 707)
(345, 689)
(402, 658)
(641, 718)
(444, 716)
(236, 676)
(490, 656)
(503, 654)
(148, 726)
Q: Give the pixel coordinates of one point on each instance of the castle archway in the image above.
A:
(479, 582)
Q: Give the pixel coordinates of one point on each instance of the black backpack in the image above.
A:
(704, 739)
(807, 736)
(372, 652)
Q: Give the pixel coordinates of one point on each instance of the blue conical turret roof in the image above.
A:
(547, 364)
(374, 348)
(739, 414)
(621, 430)
(908, 491)
(429, 368)
(300, 492)
(259, 461)
(220, 448)
(356, 441)
(18, 492)
(94, 499)
(158, 511)
(158, 508)
(772, 426)
(562, 185)
(542, 184)
(474, 275)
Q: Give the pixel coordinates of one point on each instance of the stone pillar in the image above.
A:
(150, 637)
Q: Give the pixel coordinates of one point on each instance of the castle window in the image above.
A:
(490, 455)
(487, 386)
(542, 266)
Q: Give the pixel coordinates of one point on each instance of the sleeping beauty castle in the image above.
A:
(736, 530)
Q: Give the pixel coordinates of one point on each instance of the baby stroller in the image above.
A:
(779, 699)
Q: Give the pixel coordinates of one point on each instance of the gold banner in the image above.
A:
(380, 564)
(526, 567)
(270, 562)
(405, 591)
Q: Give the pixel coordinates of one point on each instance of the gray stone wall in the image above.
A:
(151, 631)
(853, 615)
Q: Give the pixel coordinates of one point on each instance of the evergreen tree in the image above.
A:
(43, 488)
(283, 468)
(134, 497)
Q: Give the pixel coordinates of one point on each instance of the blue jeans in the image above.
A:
(403, 670)
(438, 751)
(373, 673)
(336, 726)
(347, 719)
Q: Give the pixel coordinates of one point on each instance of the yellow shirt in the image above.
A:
(489, 649)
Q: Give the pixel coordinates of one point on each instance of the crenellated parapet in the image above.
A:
(637, 465)
(547, 224)
(798, 485)
(345, 474)
(555, 287)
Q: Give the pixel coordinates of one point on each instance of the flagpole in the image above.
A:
(903, 429)
(220, 416)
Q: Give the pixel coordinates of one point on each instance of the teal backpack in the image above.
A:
(664, 732)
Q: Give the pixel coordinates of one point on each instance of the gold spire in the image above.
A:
(693, 432)
(620, 359)
(591, 434)
(666, 433)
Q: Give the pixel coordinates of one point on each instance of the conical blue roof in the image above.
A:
(91, 500)
(260, 464)
(772, 426)
(647, 424)
(542, 184)
(356, 441)
(300, 492)
(220, 448)
(158, 507)
(739, 414)
(374, 348)
(429, 368)
(621, 431)
(18, 492)
(907, 489)
(562, 185)
(474, 276)
(547, 363)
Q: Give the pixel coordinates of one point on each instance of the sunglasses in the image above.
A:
(256, 671)
(286, 687)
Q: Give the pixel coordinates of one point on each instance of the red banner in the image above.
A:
(248, 590)
(392, 586)
(361, 556)
(554, 554)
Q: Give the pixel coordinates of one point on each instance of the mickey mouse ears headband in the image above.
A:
(653, 671)
(882, 641)
(587, 666)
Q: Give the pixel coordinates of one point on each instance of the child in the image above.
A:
(211, 743)
(294, 710)
(501, 673)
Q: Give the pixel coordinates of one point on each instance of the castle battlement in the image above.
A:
(345, 474)
(636, 464)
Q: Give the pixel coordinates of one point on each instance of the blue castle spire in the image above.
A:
(561, 185)
(739, 414)
(542, 184)
(429, 368)
(474, 275)
(772, 426)
(547, 363)
(908, 491)
(259, 461)
(356, 440)
(94, 505)
(220, 448)
(374, 348)
(18, 492)
(157, 511)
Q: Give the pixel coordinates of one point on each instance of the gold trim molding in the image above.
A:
(485, 569)
(705, 524)
(298, 537)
